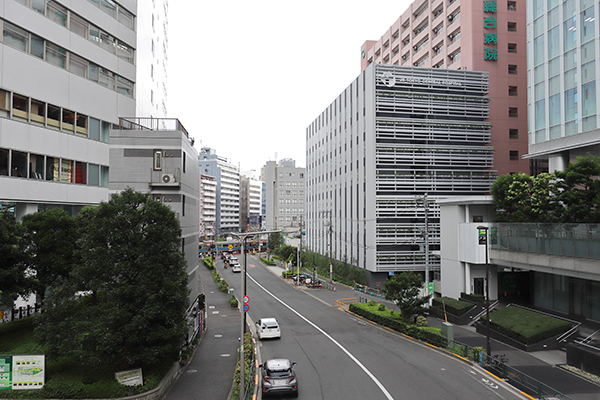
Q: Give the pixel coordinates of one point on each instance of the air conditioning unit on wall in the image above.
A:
(168, 178)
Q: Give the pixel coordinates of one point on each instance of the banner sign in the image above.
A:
(22, 372)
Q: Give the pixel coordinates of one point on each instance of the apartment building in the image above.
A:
(472, 35)
(227, 177)
(285, 193)
(394, 141)
(208, 207)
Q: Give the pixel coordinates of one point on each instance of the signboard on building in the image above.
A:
(490, 35)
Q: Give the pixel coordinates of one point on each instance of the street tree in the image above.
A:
(14, 280)
(581, 195)
(125, 303)
(275, 241)
(512, 197)
(49, 237)
(404, 290)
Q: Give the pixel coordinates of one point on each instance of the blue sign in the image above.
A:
(246, 307)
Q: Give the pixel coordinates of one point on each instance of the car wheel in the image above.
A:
(296, 394)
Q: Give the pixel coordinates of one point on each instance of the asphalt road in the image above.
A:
(339, 356)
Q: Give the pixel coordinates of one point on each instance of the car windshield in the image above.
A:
(277, 374)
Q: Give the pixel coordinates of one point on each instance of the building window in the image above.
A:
(513, 112)
(512, 90)
(513, 133)
(512, 26)
(157, 160)
(184, 160)
(183, 205)
(514, 155)
(512, 69)
(512, 47)
(511, 5)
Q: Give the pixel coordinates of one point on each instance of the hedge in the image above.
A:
(475, 298)
(526, 326)
(453, 306)
(267, 261)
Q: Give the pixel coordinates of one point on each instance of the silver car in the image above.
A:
(279, 378)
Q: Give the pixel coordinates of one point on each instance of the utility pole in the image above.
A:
(426, 206)
(299, 255)
(330, 255)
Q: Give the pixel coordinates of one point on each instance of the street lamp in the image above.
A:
(483, 241)
(243, 236)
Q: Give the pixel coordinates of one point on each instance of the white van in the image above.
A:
(268, 328)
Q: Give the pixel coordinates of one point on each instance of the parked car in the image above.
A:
(268, 328)
(279, 378)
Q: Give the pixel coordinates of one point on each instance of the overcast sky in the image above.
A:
(247, 77)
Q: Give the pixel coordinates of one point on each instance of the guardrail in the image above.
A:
(343, 304)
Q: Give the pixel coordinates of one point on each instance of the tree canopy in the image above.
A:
(568, 196)
(49, 238)
(124, 303)
(14, 280)
(404, 290)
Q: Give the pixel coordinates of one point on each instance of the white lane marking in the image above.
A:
(373, 378)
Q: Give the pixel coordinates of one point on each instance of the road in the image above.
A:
(340, 356)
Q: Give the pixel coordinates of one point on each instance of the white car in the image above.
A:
(236, 268)
(268, 328)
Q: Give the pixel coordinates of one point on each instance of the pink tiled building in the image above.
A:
(477, 35)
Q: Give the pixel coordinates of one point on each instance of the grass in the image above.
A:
(66, 378)
(376, 309)
(526, 326)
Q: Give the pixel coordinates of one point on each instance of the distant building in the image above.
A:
(284, 184)
(227, 177)
(208, 207)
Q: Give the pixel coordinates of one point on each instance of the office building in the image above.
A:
(227, 177)
(67, 74)
(251, 195)
(473, 35)
(285, 190)
(379, 156)
(562, 91)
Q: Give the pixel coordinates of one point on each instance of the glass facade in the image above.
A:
(562, 98)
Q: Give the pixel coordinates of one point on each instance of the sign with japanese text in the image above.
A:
(490, 24)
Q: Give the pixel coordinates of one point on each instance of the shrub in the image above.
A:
(208, 262)
(453, 306)
(233, 302)
(372, 303)
(381, 307)
(287, 274)
(265, 260)
(475, 298)
(421, 321)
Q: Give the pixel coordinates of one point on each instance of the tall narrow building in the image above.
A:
(227, 177)
(285, 190)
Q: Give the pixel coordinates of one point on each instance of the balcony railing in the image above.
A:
(565, 240)
(152, 124)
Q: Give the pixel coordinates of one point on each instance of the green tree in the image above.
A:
(50, 238)
(275, 241)
(14, 281)
(581, 194)
(404, 290)
(546, 206)
(130, 286)
(512, 197)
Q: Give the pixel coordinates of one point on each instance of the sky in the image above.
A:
(248, 77)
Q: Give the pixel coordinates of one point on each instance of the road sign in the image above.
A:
(246, 307)
(230, 247)
(482, 236)
(246, 299)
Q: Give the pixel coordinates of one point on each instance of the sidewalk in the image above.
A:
(209, 375)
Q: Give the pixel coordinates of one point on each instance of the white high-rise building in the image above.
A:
(208, 207)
